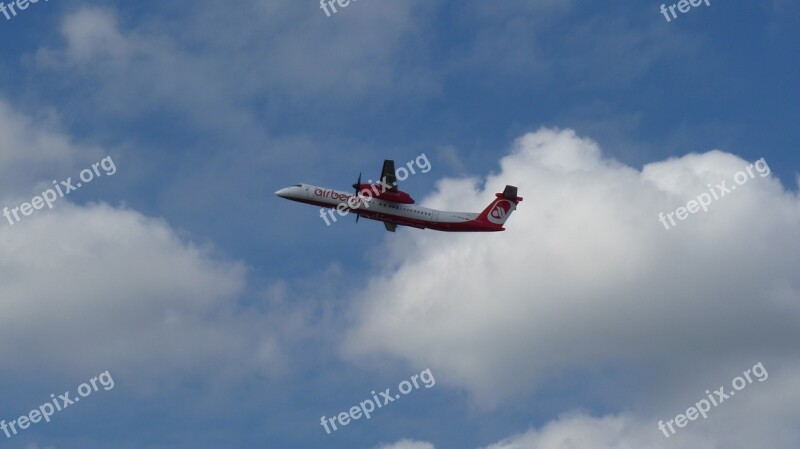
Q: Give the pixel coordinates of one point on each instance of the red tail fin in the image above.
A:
(497, 213)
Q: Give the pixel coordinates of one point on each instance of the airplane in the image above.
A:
(384, 202)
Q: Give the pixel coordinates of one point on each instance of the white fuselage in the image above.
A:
(375, 208)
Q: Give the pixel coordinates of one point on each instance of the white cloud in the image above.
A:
(112, 289)
(93, 33)
(584, 432)
(276, 49)
(94, 288)
(406, 444)
(198, 70)
(762, 415)
(586, 276)
(34, 149)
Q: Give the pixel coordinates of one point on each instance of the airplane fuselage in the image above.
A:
(392, 212)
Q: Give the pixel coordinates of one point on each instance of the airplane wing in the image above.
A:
(391, 227)
(388, 175)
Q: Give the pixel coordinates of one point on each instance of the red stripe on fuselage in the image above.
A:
(464, 226)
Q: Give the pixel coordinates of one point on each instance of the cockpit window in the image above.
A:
(298, 185)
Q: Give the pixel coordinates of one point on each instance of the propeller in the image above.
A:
(356, 186)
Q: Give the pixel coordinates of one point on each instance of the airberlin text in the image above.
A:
(348, 202)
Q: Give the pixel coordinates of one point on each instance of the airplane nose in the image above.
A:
(283, 193)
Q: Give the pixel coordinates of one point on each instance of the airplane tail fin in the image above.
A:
(496, 214)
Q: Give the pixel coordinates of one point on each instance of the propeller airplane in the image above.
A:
(384, 202)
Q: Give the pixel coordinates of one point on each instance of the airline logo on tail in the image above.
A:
(502, 209)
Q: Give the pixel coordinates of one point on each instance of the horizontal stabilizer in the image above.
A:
(510, 193)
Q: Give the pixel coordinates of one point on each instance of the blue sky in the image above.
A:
(232, 318)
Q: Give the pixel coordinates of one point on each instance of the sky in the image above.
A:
(179, 303)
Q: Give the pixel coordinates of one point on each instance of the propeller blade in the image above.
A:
(356, 186)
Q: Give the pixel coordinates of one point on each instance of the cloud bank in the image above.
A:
(586, 277)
